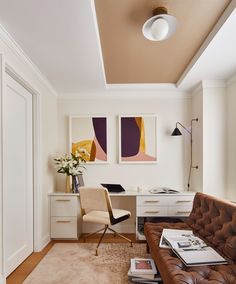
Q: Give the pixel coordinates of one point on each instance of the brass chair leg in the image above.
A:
(91, 234)
(123, 237)
(106, 227)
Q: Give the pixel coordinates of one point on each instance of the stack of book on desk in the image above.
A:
(190, 249)
(143, 270)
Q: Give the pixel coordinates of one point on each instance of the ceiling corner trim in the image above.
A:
(22, 56)
(231, 80)
(93, 8)
(143, 86)
(207, 84)
(198, 88)
(213, 84)
(228, 11)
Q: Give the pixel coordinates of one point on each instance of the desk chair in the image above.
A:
(96, 208)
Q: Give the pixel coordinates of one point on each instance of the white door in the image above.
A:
(17, 174)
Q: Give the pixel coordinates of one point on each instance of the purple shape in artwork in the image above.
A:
(100, 130)
(130, 137)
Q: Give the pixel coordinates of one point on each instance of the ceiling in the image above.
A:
(130, 58)
(63, 39)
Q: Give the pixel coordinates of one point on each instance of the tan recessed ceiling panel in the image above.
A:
(130, 58)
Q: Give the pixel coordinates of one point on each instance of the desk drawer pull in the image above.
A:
(183, 201)
(151, 201)
(183, 212)
(60, 221)
(152, 212)
(64, 200)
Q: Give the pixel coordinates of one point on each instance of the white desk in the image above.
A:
(66, 217)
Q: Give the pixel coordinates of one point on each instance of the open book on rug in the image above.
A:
(192, 250)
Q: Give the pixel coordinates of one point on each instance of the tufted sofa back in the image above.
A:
(215, 220)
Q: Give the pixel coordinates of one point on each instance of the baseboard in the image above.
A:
(44, 242)
(2, 280)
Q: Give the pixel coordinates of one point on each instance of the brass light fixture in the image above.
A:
(161, 26)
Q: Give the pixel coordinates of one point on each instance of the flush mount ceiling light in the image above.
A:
(161, 26)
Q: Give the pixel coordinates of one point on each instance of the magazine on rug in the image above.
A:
(189, 248)
(142, 266)
(139, 277)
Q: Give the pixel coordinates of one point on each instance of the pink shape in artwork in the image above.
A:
(139, 157)
(100, 154)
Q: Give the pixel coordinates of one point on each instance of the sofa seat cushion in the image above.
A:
(173, 270)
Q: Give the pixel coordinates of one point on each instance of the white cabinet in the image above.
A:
(66, 219)
(180, 205)
(152, 211)
(64, 216)
(168, 205)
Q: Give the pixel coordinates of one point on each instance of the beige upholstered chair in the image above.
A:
(96, 208)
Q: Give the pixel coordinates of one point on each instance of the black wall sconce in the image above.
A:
(177, 132)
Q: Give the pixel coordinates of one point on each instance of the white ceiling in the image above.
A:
(61, 38)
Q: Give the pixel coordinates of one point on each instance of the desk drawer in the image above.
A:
(64, 228)
(64, 205)
(151, 211)
(182, 200)
(181, 211)
(152, 200)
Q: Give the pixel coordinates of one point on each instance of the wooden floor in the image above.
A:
(22, 271)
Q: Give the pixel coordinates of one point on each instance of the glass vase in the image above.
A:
(75, 184)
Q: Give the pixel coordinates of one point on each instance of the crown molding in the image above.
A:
(206, 84)
(142, 86)
(128, 95)
(231, 80)
(21, 55)
(197, 89)
(213, 84)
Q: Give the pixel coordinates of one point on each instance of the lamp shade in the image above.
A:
(159, 27)
(176, 132)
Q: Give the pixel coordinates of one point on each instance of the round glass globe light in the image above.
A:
(160, 29)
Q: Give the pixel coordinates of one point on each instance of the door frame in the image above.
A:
(36, 131)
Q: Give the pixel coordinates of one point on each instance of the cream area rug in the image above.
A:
(75, 263)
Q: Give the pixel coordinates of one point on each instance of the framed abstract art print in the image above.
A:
(89, 133)
(138, 139)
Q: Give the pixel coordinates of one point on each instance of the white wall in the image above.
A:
(197, 112)
(172, 167)
(49, 145)
(214, 140)
(16, 61)
(231, 143)
(209, 104)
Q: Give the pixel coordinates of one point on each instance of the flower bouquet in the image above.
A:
(72, 165)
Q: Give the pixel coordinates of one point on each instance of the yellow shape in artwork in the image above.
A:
(141, 126)
(86, 144)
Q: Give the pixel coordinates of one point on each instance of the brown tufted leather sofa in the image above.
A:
(214, 221)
